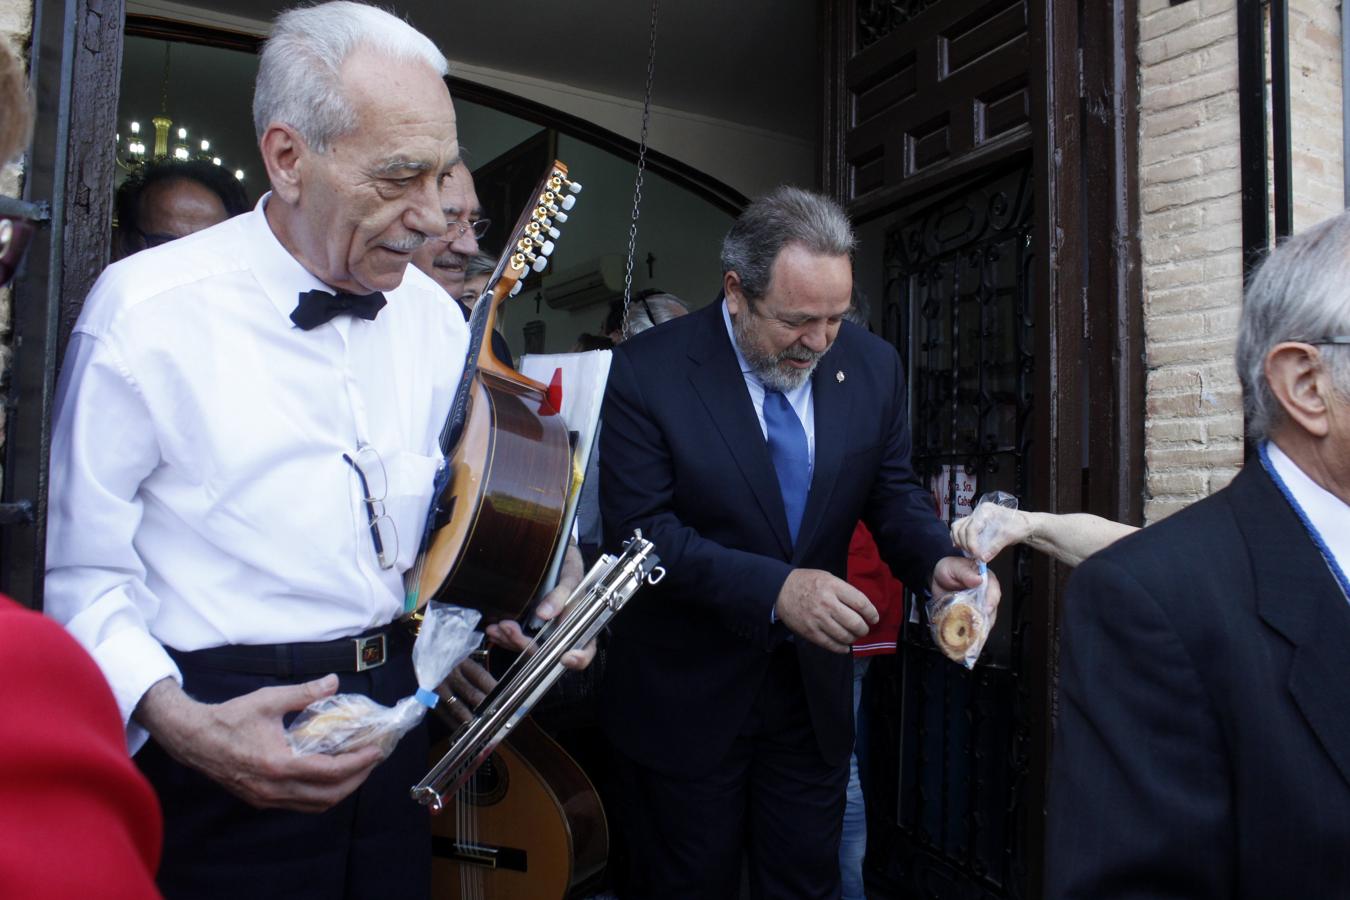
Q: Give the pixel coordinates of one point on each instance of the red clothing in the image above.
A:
(77, 820)
(869, 574)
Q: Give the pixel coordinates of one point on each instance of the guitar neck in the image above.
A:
(528, 248)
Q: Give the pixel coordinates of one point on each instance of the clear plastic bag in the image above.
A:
(346, 722)
(960, 621)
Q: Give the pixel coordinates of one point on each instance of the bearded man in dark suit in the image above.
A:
(745, 441)
(1203, 746)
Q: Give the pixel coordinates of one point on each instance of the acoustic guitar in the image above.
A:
(499, 502)
(528, 825)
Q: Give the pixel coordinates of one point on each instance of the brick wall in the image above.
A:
(16, 24)
(1191, 236)
(1315, 95)
(1191, 242)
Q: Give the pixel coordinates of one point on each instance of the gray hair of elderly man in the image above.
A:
(663, 306)
(1300, 293)
(785, 215)
(300, 73)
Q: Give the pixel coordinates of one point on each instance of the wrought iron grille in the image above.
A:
(953, 744)
(878, 18)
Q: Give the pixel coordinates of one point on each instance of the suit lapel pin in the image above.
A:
(839, 377)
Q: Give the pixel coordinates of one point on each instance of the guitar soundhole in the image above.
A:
(489, 784)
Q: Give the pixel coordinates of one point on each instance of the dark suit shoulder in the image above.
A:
(1195, 565)
(1205, 526)
(676, 340)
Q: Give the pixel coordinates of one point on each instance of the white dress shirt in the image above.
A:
(1328, 513)
(198, 492)
(800, 398)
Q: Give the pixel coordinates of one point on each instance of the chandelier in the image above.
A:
(168, 142)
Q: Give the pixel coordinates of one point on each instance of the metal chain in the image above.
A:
(637, 183)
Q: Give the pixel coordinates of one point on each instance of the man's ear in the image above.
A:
(1300, 382)
(731, 286)
(284, 153)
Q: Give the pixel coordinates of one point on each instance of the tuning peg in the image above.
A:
(540, 263)
(560, 217)
(569, 201)
(547, 248)
(558, 180)
(554, 233)
(515, 289)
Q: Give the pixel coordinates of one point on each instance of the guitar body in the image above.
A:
(528, 827)
(510, 476)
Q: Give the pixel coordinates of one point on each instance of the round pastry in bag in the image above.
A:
(959, 625)
(959, 629)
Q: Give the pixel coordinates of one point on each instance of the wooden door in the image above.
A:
(986, 149)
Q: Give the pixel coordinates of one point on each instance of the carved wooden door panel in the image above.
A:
(985, 150)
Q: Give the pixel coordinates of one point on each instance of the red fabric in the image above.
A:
(869, 574)
(77, 820)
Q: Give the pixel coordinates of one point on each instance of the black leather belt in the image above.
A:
(367, 650)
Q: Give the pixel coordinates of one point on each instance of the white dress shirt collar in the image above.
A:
(279, 273)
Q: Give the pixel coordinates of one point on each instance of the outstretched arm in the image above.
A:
(1070, 538)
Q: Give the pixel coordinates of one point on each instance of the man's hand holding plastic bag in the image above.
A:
(961, 619)
(345, 722)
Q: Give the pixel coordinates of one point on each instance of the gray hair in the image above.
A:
(481, 263)
(1299, 294)
(641, 311)
(299, 76)
(786, 215)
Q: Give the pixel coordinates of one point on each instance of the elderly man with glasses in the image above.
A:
(1203, 744)
(245, 445)
(446, 258)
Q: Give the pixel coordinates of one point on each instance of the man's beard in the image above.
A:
(766, 366)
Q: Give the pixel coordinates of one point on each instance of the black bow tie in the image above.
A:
(317, 307)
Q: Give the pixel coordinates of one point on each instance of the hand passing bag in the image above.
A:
(960, 621)
(346, 722)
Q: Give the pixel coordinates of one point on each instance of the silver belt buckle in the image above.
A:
(370, 652)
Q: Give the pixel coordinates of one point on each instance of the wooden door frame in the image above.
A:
(1084, 147)
(75, 66)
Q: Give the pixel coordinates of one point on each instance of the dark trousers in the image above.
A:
(773, 801)
(374, 844)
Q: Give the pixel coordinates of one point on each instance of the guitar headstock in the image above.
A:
(532, 240)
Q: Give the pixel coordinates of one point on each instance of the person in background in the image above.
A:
(586, 342)
(868, 573)
(446, 258)
(449, 259)
(172, 198)
(1203, 740)
(646, 308)
(477, 271)
(746, 440)
(77, 819)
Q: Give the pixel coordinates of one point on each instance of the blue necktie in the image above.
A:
(791, 459)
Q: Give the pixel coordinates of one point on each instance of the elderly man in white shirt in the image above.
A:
(239, 412)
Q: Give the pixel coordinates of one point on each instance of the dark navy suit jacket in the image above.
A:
(684, 460)
(1203, 743)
